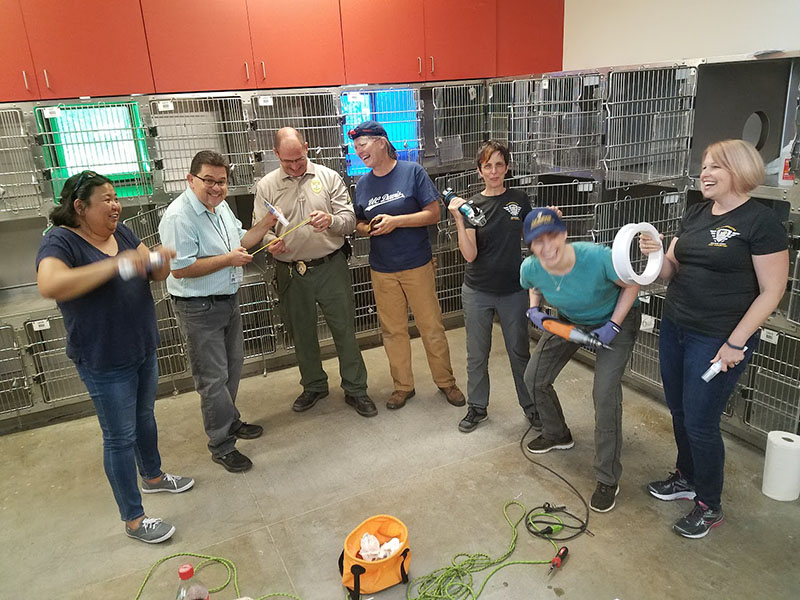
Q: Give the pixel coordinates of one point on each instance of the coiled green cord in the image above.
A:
(229, 567)
(456, 582)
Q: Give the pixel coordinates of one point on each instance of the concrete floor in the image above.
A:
(320, 473)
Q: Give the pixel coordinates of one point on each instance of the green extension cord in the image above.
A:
(229, 566)
(456, 581)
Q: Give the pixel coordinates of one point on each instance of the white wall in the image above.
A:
(600, 33)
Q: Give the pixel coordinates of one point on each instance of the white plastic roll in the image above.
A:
(782, 466)
(620, 254)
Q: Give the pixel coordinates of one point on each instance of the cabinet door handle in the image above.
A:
(247, 70)
(419, 58)
(263, 70)
(432, 67)
(25, 79)
(46, 78)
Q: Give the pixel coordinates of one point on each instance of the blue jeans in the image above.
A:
(479, 310)
(124, 400)
(697, 406)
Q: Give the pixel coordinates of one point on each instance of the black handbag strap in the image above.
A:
(357, 571)
(403, 572)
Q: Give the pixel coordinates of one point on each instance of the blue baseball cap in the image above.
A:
(371, 128)
(540, 221)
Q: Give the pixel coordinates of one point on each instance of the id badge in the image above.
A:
(237, 275)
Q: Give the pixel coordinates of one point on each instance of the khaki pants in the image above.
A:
(394, 294)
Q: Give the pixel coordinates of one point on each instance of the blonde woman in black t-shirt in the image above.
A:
(727, 270)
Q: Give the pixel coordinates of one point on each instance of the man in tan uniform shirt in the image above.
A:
(311, 268)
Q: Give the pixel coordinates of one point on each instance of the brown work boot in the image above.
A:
(398, 398)
(454, 395)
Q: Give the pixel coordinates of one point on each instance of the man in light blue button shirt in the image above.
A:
(210, 253)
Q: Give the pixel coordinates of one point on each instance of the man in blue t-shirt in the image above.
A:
(395, 202)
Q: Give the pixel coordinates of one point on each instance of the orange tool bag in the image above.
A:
(367, 577)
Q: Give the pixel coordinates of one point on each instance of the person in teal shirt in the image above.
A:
(579, 281)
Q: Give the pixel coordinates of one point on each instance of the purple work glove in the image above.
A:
(537, 316)
(607, 332)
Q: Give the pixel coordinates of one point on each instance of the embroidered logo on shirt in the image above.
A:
(316, 185)
(721, 235)
(513, 209)
(383, 199)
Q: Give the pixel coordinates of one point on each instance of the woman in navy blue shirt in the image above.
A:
(97, 270)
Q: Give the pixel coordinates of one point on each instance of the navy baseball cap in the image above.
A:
(372, 128)
(540, 221)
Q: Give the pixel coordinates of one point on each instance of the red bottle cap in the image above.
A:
(186, 572)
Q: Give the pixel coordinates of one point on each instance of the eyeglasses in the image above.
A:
(82, 178)
(210, 183)
(294, 161)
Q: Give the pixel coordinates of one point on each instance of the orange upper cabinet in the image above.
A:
(530, 36)
(296, 43)
(384, 41)
(460, 39)
(17, 75)
(88, 47)
(199, 45)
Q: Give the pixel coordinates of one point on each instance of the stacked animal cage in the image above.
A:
(19, 186)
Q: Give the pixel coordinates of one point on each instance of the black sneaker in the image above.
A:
(474, 416)
(541, 444)
(535, 421)
(363, 405)
(674, 487)
(604, 497)
(234, 461)
(248, 431)
(698, 522)
(307, 400)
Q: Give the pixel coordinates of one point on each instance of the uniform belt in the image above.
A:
(217, 297)
(314, 262)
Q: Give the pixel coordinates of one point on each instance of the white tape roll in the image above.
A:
(620, 254)
(782, 466)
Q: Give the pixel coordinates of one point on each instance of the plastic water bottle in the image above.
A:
(190, 588)
(127, 271)
(471, 213)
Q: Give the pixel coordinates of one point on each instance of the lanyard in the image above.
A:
(225, 239)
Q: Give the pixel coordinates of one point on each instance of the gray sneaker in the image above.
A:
(174, 484)
(151, 531)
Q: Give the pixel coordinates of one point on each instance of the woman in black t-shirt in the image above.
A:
(96, 270)
(727, 270)
(491, 283)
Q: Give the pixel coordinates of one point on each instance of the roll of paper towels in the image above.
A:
(782, 466)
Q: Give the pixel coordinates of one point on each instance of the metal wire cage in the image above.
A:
(106, 137)
(793, 314)
(19, 188)
(397, 109)
(663, 210)
(145, 225)
(450, 266)
(459, 121)
(15, 390)
(171, 352)
(575, 198)
(314, 114)
(55, 372)
(644, 362)
(185, 126)
(256, 306)
(649, 122)
(771, 390)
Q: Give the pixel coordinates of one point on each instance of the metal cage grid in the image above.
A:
(650, 119)
(459, 121)
(576, 200)
(19, 189)
(256, 305)
(106, 137)
(145, 225)
(644, 357)
(184, 126)
(450, 266)
(772, 390)
(55, 372)
(171, 352)
(663, 210)
(793, 313)
(315, 114)
(364, 296)
(399, 111)
(15, 391)
(565, 128)
(500, 98)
